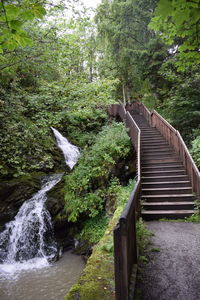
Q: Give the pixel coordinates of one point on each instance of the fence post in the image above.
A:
(120, 257)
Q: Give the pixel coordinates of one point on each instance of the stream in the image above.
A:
(29, 265)
(50, 282)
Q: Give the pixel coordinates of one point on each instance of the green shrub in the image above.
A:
(97, 280)
(85, 187)
(94, 228)
(195, 150)
(78, 111)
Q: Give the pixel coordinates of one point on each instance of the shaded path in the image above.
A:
(173, 273)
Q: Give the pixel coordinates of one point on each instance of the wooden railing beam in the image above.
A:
(125, 247)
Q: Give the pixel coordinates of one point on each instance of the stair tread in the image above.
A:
(166, 166)
(168, 196)
(167, 149)
(168, 203)
(170, 171)
(165, 154)
(166, 182)
(155, 177)
(181, 211)
(167, 189)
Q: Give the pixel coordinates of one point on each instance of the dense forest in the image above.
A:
(59, 67)
(62, 64)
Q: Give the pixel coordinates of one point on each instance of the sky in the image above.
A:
(91, 3)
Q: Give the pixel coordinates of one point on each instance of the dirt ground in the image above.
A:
(173, 272)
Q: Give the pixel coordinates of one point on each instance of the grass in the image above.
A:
(195, 218)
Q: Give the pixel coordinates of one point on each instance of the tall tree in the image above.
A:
(178, 23)
(123, 31)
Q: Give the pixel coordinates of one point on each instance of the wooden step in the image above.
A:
(169, 214)
(150, 134)
(166, 184)
(154, 142)
(163, 172)
(152, 129)
(158, 155)
(164, 178)
(183, 205)
(169, 198)
(165, 166)
(155, 147)
(153, 139)
(155, 151)
(169, 191)
(159, 160)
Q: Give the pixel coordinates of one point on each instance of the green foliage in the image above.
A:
(194, 218)
(13, 18)
(78, 111)
(182, 107)
(195, 150)
(93, 229)
(143, 239)
(178, 22)
(97, 280)
(123, 34)
(85, 187)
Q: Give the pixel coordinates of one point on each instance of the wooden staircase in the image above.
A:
(167, 181)
(166, 189)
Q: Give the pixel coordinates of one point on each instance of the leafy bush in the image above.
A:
(94, 228)
(86, 186)
(28, 145)
(182, 107)
(97, 280)
(195, 150)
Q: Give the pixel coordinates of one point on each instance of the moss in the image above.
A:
(97, 281)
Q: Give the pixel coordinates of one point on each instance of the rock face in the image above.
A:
(13, 194)
(55, 201)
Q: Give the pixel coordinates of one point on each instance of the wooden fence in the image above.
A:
(174, 138)
(125, 247)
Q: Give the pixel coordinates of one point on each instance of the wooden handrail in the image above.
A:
(125, 248)
(136, 142)
(174, 138)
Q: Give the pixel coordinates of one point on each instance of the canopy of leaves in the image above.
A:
(13, 17)
(178, 23)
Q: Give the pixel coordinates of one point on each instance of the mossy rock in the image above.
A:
(14, 193)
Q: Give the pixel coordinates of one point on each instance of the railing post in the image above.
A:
(120, 257)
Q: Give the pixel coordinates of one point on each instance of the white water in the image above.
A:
(27, 241)
(70, 152)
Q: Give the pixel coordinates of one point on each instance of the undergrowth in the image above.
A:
(87, 187)
(97, 280)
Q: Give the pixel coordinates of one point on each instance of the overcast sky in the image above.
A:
(91, 3)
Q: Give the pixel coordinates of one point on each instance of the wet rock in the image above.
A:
(83, 248)
(55, 201)
(13, 193)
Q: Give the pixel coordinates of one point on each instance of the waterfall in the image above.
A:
(28, 241)
(70, 152)
(29, 238)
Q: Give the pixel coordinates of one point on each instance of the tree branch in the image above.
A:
(4, 10)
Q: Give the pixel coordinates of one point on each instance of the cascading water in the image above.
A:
(30, 235)
(28, 241)
(70, 152)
